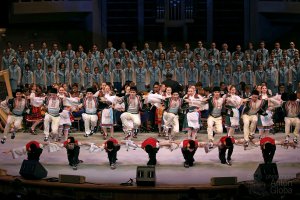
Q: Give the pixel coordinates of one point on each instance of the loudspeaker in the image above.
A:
(266, 173)
(71, 179)
(145, 176)
(32, 170)
(215, 181)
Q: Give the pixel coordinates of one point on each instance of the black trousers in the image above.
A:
(73, 155)
(152, 157)
(112, 155)
(188, 156)
(268, 154)
(35, 155)
(222, 153)
(152, 116)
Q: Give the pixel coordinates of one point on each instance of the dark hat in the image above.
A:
(255, 92)
(174, 91)
(53, 90)
(90, 90)
(285, 96)
(216, 89)
(208, 89)
(293, 97)
(19, 90)
(133, 88)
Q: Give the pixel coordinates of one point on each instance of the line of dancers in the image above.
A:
(33, 149)
(256, 113)
(100, 109)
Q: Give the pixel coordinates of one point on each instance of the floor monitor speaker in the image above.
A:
(145, 176)
(71, 179)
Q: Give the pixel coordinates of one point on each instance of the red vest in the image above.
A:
(265, 140)
(37, 144)
(150, 141)
(110, 139)
(222, 139)
(113, 140)
(186, 142)
(66, 142)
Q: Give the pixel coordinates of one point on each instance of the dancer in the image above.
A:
(292, 117)
(192, 120)
(164, 92)
(265, 121)
(65, 121)
(37, 99)
(214, 121)
(268, 148)
(33, 149)
(188, 150)
(15, 109)
(170, 116)
(54, 105)
(73, 150)
(107, 115)
(131, 119)
(232, 104)
(226, 143)
(151, 146)
(154, 101)
(90, 117)
(111, 147)
(249, 115)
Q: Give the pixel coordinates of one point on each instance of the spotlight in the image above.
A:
(2, 32)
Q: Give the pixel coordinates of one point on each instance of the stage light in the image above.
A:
(2, 30)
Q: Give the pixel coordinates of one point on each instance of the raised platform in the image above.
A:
(172, 178)
(42, 189)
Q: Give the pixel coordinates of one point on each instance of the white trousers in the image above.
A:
(130, 121)
(15, 120)
(90, 121)
(292, 122)
(214, 124)
(54, 124)
(171, 120)
(250, 122)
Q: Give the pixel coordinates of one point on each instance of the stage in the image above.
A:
(169, 169)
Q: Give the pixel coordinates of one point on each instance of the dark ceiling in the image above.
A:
(4, 10)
